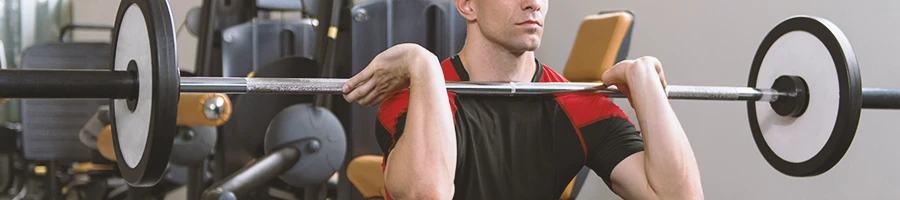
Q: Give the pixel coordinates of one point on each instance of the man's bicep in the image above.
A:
(629, 180)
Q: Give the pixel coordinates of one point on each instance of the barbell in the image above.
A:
(805, 70)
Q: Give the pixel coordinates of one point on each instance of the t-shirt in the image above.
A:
(523, 147)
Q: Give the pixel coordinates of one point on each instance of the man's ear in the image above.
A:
(466, 8)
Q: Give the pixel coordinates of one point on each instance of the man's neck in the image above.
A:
(486, 61)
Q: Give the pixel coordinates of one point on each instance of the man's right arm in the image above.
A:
(422, 163)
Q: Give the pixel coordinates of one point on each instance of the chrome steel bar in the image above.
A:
(214, 85)
(237, 85)
(722, 93)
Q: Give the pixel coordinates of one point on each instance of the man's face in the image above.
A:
(516, 25)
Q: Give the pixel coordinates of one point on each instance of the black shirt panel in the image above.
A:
(523, 147)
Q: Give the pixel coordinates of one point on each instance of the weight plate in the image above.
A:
(324, 151)
(817, 51)
(144, 126)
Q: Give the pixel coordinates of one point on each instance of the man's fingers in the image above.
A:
(650, 61)
(370, 98)
(361, 91)
(381, 97)
(662, 79)
(659, 70)
(657, 65)
(616, 73)
(626, 92)
(378, 99)
(354, 81)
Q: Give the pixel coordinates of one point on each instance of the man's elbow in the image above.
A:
(419, 190)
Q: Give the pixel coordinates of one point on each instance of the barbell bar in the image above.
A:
(238, 85)
(98, 84)
(804, 69)
(881, 98)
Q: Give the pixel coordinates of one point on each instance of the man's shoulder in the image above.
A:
(448, 67)
(550, 75)
(392, 108)
(582, 108)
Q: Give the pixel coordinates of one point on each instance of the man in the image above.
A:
(440, 145)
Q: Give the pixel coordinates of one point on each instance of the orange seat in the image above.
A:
(602, 40)
(366, 174)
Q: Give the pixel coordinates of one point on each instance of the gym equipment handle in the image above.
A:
(253, 176)
(67, 84)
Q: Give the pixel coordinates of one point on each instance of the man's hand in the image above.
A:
(667, 169)
(625, 73)
(388, 73)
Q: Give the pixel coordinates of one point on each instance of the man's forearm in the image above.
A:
(669, 161)
(423, 163)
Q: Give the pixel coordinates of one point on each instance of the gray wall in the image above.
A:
(711, 42)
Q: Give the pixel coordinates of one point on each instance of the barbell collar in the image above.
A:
(67, 84)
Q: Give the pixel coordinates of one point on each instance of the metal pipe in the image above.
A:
(881, 98)
(68, 84)
(228, 85)
(333, 86)
(195, 180)
(54, 189)
(723, 93)
(253, 176)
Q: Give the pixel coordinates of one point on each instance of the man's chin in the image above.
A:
(521, 50)
(529, 46)
(532, 42)
(522, 44)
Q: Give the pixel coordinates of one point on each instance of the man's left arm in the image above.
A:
(667, 168)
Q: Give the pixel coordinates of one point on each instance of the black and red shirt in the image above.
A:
(523, 147)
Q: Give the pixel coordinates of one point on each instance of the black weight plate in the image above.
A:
(817, 51)
(144, 126)
(306, 122)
